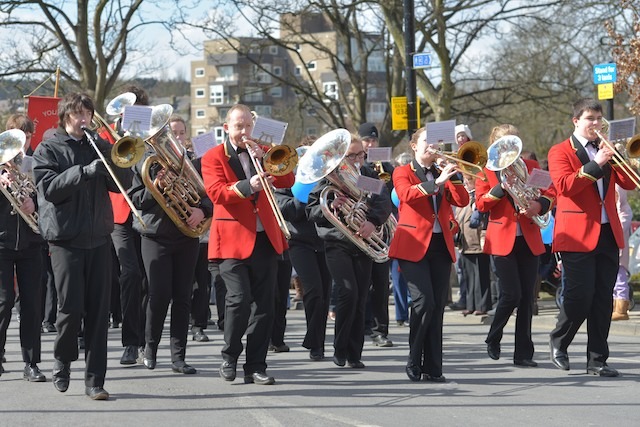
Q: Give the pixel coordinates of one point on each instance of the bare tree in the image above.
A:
(92, 43)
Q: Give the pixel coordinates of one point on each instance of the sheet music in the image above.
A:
(622, 129)
(371, 185)
(268, 131)
(444, 131)
(203, 143)
(136, 119)
(539, 178)
(379, 154)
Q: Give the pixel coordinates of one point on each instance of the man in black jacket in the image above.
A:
(76, 219)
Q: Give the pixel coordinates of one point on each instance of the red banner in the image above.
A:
(43, 110)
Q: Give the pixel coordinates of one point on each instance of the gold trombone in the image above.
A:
(470, 158)
(632, 150)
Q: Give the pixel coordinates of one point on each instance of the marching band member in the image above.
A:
(350, 268)
(588, 235)
(515, 242)
(246, 240)
(169, 258)
(76, 218)
(21, 257)
(423, 244)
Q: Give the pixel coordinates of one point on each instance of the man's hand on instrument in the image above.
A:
(5, 179)
(447, 171)
(256, 183)
(196, 217)
(338, 202)
(603, 155)
(366, 229)
(253, 148)
(94, 169)
(28, 207)
(533, 209)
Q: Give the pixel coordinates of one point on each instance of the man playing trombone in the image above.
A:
(245, 237)
(76, 219)
(587, 234)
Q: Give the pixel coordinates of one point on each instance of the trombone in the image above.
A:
(632, 149)
(470, 157)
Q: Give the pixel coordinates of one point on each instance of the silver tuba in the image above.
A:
(11, 145)
(325, 159)
(504, 156)
(181, 187)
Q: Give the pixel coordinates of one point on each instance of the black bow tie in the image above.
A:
(242, 150)
(431, 169)
(595, 143)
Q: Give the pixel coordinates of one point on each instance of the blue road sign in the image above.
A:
(421, 60)
(604, 73)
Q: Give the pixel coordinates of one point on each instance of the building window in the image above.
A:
(297, 71)
(253, 94)
(216, 95)
(263, 110)
(376, 111)
(218, 131)
(312, 65)
(276, 92)
(200, 114)
(262, 73)
(222, 114)
(297, 47)
(330, 90)
(273, 50)
(199, 72)
(277, 71)
(199, 93)
(225, 73)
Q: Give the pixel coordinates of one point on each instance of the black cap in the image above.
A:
(368, 130)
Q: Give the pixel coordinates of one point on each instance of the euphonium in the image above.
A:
(325, 159)
(11, 144)
(504, 156)
(180, 187)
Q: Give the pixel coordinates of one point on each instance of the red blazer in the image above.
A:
(503, 215)
(577, 221)
(416, 213)
(121, 209)
(233, 228)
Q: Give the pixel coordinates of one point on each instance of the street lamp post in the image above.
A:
(410, 74)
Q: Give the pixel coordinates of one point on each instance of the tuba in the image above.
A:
(504, 156)
(11, 144)
(325, 159)
(180, 187)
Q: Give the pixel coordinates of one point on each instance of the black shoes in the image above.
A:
(180, 367)
(527, 363)
(340, 361)
(283, 348)
(49, 327)
(601, 369)
(493, 350)
(199, 336)
(457, 306)
(260, 378)
(434, 378)
(559, 358)
(149, 359)
(228, 371)
(356, 364)
(61, 375)
(33, 374)
(149, 363)
(96, 393)
(413, 372)
(316, 354)
(382, 341)
(130, 355)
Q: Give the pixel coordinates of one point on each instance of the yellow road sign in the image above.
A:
(605, 91)
(399, 116)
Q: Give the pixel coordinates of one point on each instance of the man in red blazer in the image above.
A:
(245, 238)
(423, 245)
(588, 236)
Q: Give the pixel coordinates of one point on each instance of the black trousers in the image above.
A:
(281, 300)
(379, 297)
(201, 290)
(249, 304)
(477, 272)
(27, 264)
(351, 271)
(83, 279)
(50, 295)
(126, 242)
(311, 266)
(428, 283)
(220, 291)
(518, 273)
(589, 278)
(170, 266)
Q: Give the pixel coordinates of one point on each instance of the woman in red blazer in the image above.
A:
(423, 245)
(515, 242)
